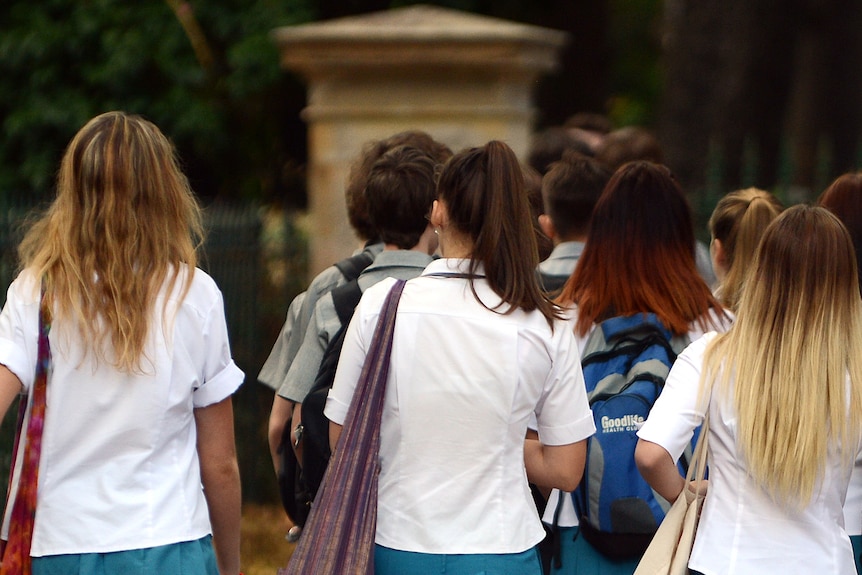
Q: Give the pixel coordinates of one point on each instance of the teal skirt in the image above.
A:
(856, 540)
(580, 557)
(188, 558)
(393, 562)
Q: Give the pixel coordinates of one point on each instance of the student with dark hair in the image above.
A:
(549, 145)
(275, 370)
(783, 393)
(478, 350)
(570, 191)
(629, 144)
(589, 128)
(843, 198)
(533, 187)
(399, 194)
(354, 192)
(638, 259)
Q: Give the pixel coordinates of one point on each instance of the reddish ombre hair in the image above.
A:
(843, 198)
(639, 255)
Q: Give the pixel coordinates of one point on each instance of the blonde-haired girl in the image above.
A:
(736, 226)
(139, 413)
(782, 388)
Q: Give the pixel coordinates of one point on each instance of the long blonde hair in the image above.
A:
(738, 222)
(797, 335)
(123, 220)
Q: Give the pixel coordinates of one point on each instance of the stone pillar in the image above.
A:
(464, 79)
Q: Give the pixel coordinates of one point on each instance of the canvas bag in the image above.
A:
(669, 551)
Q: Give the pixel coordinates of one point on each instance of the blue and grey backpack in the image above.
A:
(625, 362)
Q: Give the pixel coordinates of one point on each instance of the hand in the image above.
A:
(693, 486)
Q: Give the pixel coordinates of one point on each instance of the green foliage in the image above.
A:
(64, 61)
(635, 75)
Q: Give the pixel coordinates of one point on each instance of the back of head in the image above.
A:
(590, 121)
(123, 220)
(570, 191)
(738, 222)
(549, 145)
(483, 190)
(629, 144)
(354, 192)
(399, 194)
(844, 199)
(639, 254)
(795, 338)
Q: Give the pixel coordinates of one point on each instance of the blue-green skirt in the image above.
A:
(188, 558)
(580, 557)
(856, 540)
(393, 562)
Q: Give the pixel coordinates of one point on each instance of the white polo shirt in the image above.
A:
(742, 530)
(462, 386)
(119, 468)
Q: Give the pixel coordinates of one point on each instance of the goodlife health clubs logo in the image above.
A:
(624, 423)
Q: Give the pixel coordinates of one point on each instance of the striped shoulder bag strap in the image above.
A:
(338, 537)
(16, 555)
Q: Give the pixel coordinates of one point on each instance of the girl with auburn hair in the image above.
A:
(736, 225)
(844, 199)
(140, 414)
(639, 255)
(782, 389)
(478, 351)
(638, 258)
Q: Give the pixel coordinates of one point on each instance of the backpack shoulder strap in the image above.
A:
(346, 297)
(351, 267)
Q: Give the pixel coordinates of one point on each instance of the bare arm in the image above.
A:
(658, 469)
(545, 491)
(281, 410)
(220, 477)
(557, 466)
(334, 434)
(10, 387)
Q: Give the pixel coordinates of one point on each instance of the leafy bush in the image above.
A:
(207, 74)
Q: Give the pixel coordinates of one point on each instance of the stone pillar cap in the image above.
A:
(417, 35)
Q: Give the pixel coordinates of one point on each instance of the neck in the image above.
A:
(455, 245)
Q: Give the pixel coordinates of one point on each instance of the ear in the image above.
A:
(719, 257)
(546, 224)
(439, 214)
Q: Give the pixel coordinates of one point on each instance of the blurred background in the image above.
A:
(740, 93)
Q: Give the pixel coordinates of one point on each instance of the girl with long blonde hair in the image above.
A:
(139, 413)
(782, 388)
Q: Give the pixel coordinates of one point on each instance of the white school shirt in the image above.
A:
(119, 468)
(742, 530)
(462, 386)
(568, 516)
